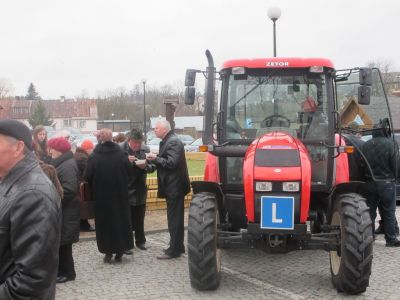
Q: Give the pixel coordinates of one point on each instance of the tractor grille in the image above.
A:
(277, 158)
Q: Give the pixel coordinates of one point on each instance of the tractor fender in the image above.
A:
(211, 187)
(344, 188)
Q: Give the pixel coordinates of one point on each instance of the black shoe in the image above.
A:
(394, 243)
(118, 257)
(167, 251)
(107, 258)
(90, 229)
(166, 256)
(142, 247)
(128, 252)
(379, 230)
(62, 279)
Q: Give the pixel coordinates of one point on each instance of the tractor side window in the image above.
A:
(366, 116)
(370, 123)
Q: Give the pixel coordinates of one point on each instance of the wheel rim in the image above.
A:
(334, 257)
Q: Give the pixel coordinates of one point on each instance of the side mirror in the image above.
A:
(365, 76)
(190, 94)
(364, 95)
(190, 77)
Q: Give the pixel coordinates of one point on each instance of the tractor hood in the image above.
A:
(274, 158)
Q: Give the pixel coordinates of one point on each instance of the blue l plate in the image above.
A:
(277, 212)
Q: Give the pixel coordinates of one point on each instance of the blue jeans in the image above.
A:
(383, 193)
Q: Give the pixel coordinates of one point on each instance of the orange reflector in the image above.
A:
(346, 149)
(203, 148)
(349, 149)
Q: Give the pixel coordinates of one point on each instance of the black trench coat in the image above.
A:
(107, 173)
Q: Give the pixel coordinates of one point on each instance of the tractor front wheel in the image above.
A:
(203, 255)
(351, 263)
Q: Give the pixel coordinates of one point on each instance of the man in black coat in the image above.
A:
(107, 173)
(173, 184)
(30, 219)
(381, 155)
(136, 151)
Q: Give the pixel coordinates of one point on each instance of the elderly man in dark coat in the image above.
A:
(137, 189)
(173, 184)
(30, 219)
(67, 172)
(107, 173)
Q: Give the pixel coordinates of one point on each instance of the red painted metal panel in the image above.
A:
(278, 62)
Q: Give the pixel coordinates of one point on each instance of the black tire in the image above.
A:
(203, 255)
(351, 265)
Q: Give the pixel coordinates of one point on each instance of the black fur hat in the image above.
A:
(135, 134)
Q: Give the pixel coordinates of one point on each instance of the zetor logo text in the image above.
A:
(277, 64)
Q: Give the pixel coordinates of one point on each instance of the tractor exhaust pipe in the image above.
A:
(209, 101)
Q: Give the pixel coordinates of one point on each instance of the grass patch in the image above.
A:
(195, 167)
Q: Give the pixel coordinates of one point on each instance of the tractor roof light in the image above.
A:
(238, 70)
(316, 69)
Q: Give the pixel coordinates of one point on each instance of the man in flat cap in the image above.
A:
(136, 151)
(30, 218)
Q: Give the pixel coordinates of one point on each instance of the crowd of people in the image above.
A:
(42, 207)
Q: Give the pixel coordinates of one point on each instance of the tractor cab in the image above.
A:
(263, 100)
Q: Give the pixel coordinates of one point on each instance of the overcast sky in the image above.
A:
(68, 46)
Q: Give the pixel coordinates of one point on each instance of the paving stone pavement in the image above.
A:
(251, 274)
(154, 221)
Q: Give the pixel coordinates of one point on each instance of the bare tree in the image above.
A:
(385, 66)
(6, 88)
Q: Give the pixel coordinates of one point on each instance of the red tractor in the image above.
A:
(281, 173)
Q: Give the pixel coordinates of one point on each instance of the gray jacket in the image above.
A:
(30, 223)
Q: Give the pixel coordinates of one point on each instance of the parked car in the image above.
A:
(80, 138)
(194, 146)
(154, 144)
(51, 132)
(150, 135)
(186, 139)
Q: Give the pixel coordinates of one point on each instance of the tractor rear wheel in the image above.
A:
(351, 263)
(203, 255)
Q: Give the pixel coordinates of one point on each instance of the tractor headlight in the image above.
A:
(290, 186)
(263, 186)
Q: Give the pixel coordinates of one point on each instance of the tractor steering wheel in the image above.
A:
(272, 120)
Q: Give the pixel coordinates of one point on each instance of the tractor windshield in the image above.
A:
(293, 101)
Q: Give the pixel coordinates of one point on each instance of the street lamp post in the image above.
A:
(144, 109)
(274, 13)
(112, 118)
